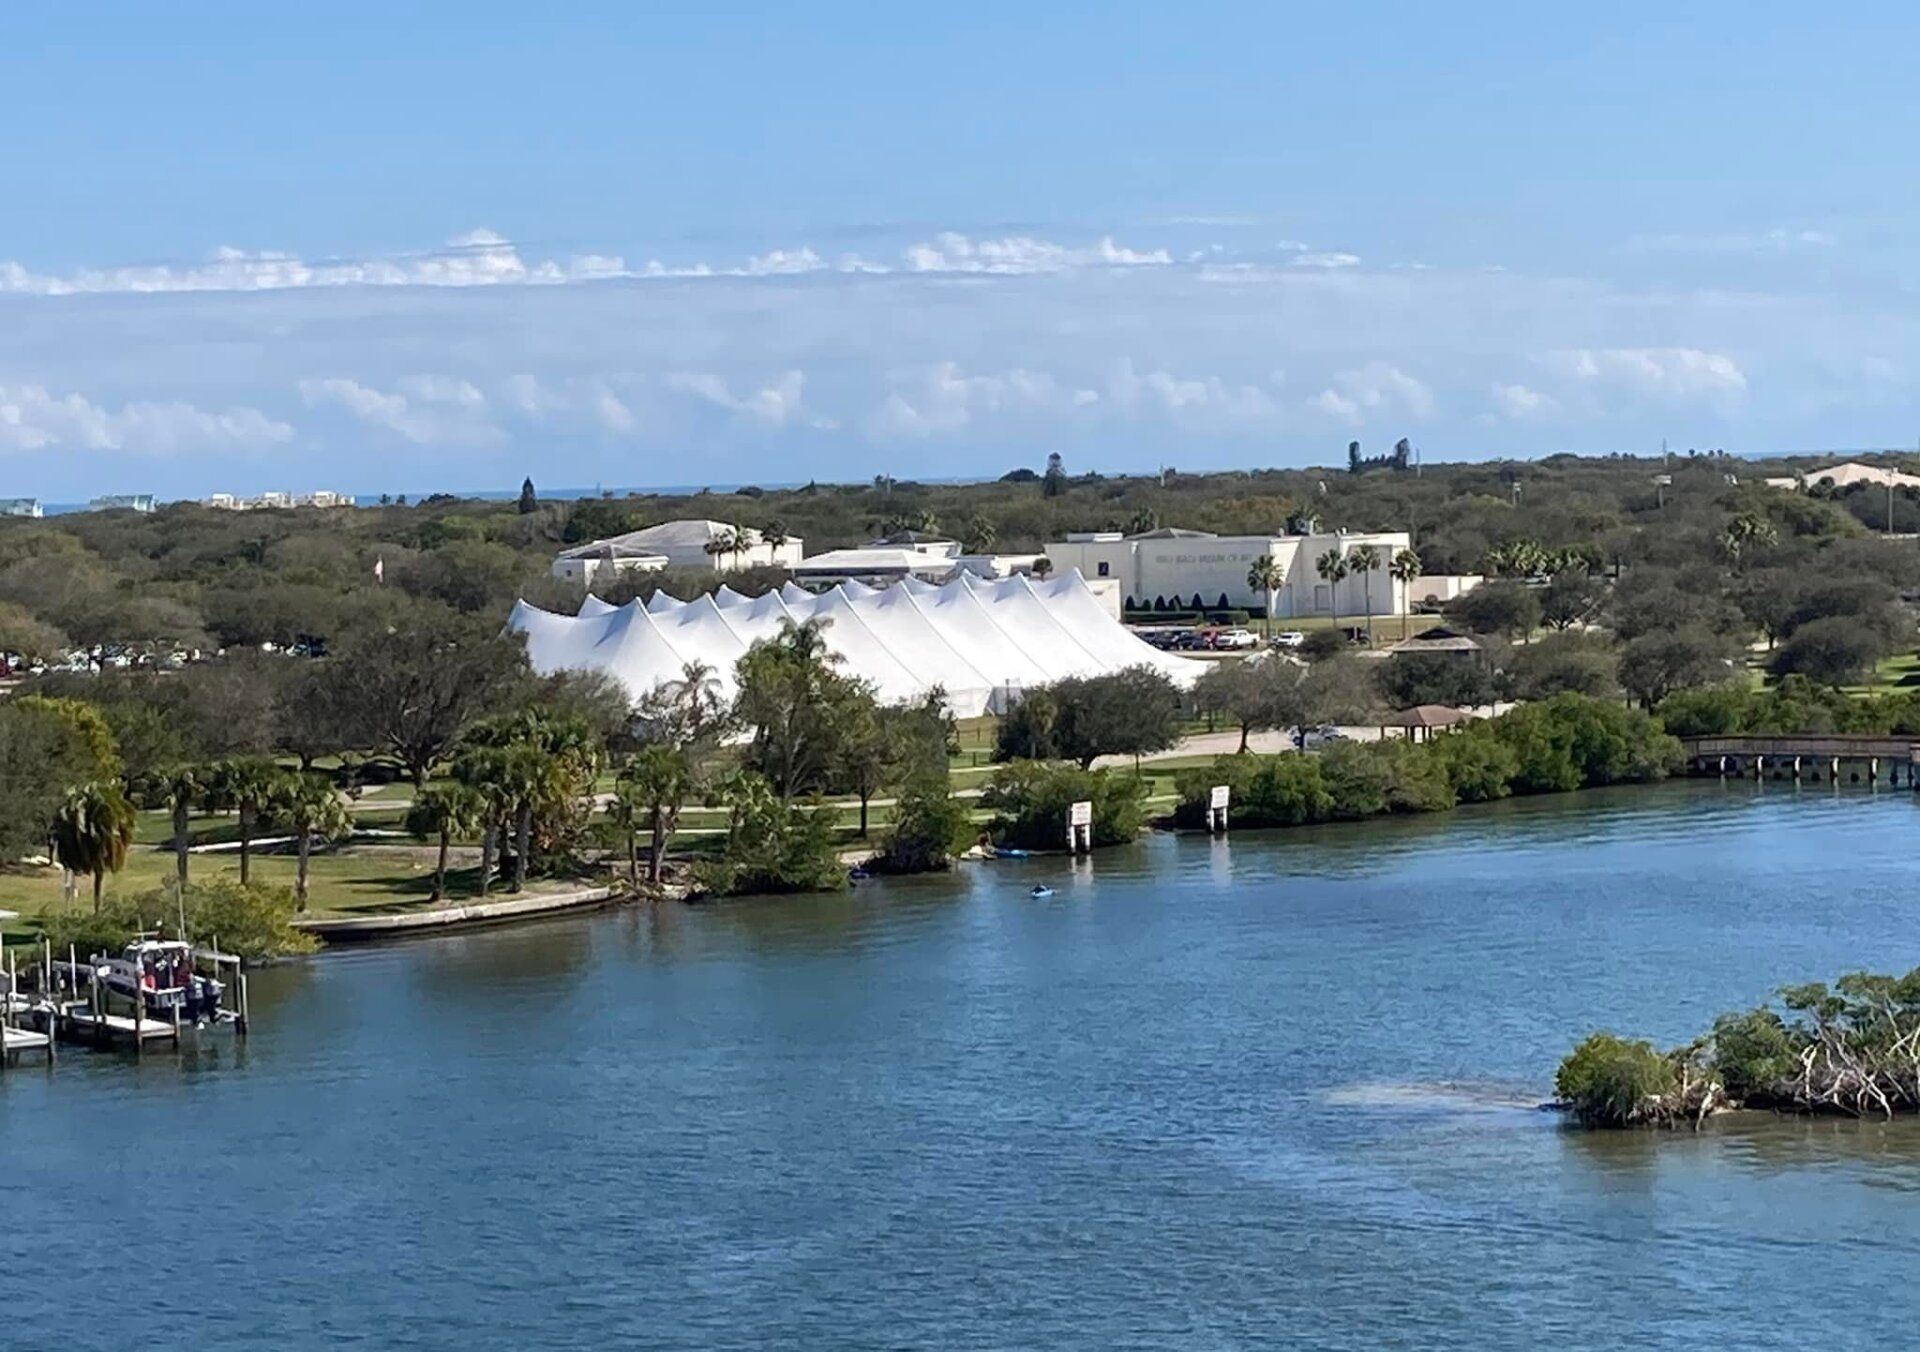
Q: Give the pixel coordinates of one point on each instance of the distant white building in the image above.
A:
(1439, 588)
(123, 502)
(678, 544)
(875, 565)
(1177, 569)
(273, 498)
(21, 507)
(1846, 475)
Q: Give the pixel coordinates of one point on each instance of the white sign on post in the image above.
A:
(1080, 814)
(1217, 800)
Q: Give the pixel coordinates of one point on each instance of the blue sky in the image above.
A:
(419, 247)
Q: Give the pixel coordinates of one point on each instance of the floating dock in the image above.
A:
(15, 1041)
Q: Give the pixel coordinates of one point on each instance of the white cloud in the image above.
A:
(1777, 240)
(487, 258)
(568, 402)
(32, 419)
(1520, 403)
(944, 400)
(1666, 373)
(1198, 403)
(1311, 259)
(426, 410)
(1378, 387)
(780, 404)
(1016, 254)
(477, 258)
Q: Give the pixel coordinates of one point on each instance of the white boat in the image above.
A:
(160, 971)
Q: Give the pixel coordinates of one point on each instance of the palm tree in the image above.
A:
(444, 810)
(483, 770)
(1406, 571)
(651, 791)
(542, 766)
(175, 790)
(310, 807)
(718, 544)
(92, 829)
(1267, 575)
(1364, 559)
(1332, 566)
(243, 784)
(1042, 566)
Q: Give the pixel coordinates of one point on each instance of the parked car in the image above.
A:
(1235, 640)
(1315, 739)
(1289, 638)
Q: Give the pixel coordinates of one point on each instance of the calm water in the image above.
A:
(1208, 1096)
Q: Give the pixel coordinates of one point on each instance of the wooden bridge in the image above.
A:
(1833, 757)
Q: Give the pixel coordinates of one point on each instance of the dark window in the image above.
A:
(1105, 569)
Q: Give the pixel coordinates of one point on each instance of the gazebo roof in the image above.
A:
(1427, 716)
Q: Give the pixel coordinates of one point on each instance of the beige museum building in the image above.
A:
(1175, 566)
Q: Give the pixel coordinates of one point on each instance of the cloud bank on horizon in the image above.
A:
(949, 354)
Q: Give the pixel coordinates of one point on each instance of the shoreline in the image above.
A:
(343, 930)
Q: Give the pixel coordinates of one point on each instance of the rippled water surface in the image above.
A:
(1276, 1090)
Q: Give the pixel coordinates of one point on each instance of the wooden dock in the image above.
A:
(18, 1040)
(77, 1023)
(1817, 757)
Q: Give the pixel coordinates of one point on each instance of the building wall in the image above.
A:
(1442, 587)
(751, 556)
(586, 571)
(1179, 567)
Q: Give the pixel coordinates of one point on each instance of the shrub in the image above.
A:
(929, 825)
(1030, 799)
(1365, 779)
(1754, 1052)
(252, 920)
(1263, 791)
(1608, 1081)
(771, 846)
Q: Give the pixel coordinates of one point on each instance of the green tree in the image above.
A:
(796, 701)
(1505, 608)
(175, 790)
(1267, 575)
(1836, 650)
(244, 785)
(651, 791)
(92, 830)
(1405, 569)
(311, 808)
(1656, 664)
(443, 811)
(1364, 560)
(423, 679)
(1609, 1081)
(529, 502)
(1124, 713)
(1332, 567)
(1053, 483)
(540, 779)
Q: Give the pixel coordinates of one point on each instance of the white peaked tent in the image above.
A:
(982, 641)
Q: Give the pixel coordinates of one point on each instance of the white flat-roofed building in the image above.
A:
(1439, 588)
(875, 565)
(123, 502)
(1846, 475)
(604, 559)
(1176, 569)
(694, 544)
(21, 507)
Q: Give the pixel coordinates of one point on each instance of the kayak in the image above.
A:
(1037, 892)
